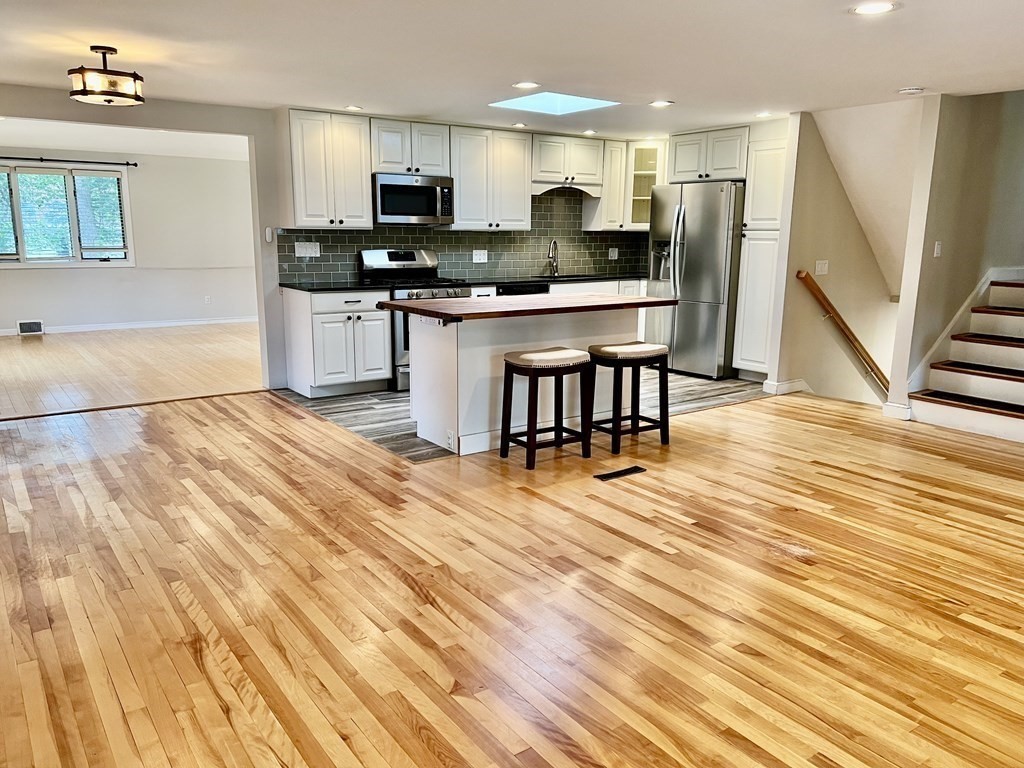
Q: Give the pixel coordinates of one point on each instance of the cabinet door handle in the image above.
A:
(352, 301)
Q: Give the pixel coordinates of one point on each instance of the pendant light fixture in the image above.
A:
(111, 87)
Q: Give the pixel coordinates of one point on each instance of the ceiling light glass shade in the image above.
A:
(873, 9)
(109, 87)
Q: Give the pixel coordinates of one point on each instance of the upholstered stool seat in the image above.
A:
(554, 363)
(633, 355)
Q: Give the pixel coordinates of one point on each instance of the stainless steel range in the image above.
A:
(409, 274)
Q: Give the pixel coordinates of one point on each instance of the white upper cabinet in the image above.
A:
(330, 170)
(766, 171)
(402, 147)
(568, 160)
(718, 154)
(630, 171)
(491, 170)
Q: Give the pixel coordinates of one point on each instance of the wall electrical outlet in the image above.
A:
(821, 267)
(307, 250)
(479, 255)
(207, 299)
(450, 442)
(937, 253)
(613, 254)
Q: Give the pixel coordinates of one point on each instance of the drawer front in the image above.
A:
(345, 302)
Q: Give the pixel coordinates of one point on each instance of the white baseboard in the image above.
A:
(785, 387)
(897, 411)
(145, 324)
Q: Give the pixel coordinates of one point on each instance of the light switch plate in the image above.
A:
(937, 253)
(479, 255)
(821, 267)
(613, 254)
(307, 250)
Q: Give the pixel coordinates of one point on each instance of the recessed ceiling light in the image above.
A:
(589, 132)
(662, 103)
(914, 90)
(518, 125)
(526, 84)
(353, 108)
(873, 9)
(763, 114)
(549, 103)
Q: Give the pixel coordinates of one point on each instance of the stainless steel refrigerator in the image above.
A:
(694, 258)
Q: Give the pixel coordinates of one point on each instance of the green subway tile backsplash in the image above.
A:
(556, 215)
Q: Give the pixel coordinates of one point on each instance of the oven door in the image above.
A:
(401, 199)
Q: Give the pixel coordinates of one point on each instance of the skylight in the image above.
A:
(549, 103)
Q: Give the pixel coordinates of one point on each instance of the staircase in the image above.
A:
(981, 388)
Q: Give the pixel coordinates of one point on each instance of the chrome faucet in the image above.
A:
(553, 257)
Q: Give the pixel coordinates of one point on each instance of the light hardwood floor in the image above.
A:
(63, 372)
(234, 581)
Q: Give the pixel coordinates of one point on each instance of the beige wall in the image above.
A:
(824, 226)
(191, 226)
(256, 124)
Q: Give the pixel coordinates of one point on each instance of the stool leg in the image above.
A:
(587, 376)
(663, 398)
(531, 424)
(506, 412)
(559, 394)
(617, 409)
(634, 401)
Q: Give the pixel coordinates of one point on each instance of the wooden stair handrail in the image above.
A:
(851, 338)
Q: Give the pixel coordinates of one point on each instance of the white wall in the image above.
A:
(256, 124)
(191, 225)
(873, 149)
(824, 226)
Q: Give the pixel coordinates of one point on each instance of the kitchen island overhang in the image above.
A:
(457, 350)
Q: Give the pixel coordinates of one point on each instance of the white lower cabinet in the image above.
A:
(755, 300)
(336, 342)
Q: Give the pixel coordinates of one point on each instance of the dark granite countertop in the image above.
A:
(321, 286)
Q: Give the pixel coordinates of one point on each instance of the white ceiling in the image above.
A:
(719, 60)
(84, 137)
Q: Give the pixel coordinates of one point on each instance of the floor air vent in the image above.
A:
(30, 327)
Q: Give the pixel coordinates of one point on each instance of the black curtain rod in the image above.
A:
(74, 162)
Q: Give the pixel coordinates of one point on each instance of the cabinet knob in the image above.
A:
(572, 178)
(621, 226)
(359, 317)
(496, 226)
(349, 317)
(744, 225)
(743, 235)
(341, 221)
(490, 225)
(566, 178)
(417, 170)
(408, 169)
(332, 221)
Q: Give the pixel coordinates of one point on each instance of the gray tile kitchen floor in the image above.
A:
(383, 417)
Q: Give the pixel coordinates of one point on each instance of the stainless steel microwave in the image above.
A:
(400, 198)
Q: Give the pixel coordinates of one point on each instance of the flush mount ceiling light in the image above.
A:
(549, 103)
(526, 84)
(110, 87)
(518, 125)
(589, 132)
(873, 9)
(662, 103)
(353, 108)
(914, 90)
(763, 114)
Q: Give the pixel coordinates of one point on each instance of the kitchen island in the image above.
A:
(457, 349)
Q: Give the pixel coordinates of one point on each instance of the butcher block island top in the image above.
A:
(482, 308)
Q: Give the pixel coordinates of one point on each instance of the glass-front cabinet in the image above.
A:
(644, 168)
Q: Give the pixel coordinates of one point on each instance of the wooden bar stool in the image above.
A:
(554, 363)
(633, 355)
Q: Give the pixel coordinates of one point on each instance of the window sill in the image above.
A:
(66, 265)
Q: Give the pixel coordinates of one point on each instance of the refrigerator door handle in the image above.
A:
(673, 249)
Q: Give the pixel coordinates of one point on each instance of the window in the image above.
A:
(62, 216)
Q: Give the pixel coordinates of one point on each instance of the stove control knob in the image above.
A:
(434, 292)
(452, 292)
(414, 294)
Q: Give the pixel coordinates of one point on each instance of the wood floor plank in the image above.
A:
(227, 581)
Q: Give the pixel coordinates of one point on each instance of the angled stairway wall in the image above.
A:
(824, 225)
